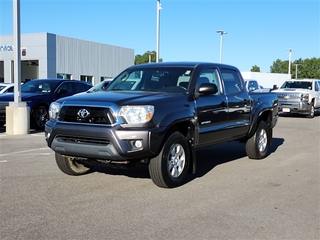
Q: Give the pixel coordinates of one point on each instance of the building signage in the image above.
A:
(6, 48)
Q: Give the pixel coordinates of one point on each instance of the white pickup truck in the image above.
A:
(299, 96)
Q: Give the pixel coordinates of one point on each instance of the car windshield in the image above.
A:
(158, 79)
(297, 84)
(39, 86)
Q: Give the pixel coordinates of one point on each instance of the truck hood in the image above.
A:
(120, 98)
(292, 90)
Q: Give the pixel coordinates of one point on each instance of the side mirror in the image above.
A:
(208, 88)
(105, 85)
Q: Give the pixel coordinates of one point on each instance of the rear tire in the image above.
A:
(170, 167)
(257, 146)
(71, 166)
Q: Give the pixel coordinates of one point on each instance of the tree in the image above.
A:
(149, 55)
(279, 66)
(255, 68)
(307, 68)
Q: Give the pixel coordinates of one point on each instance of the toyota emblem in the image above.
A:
(83, 113)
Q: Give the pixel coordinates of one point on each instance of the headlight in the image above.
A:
(305, 97)
(54, 110)
(137, 114)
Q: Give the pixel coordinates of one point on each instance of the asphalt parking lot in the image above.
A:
(230, 197)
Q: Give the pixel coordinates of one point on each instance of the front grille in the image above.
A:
(82, 140)
(289, 96)
(95, 115)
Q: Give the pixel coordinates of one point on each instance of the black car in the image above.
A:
(38, 94)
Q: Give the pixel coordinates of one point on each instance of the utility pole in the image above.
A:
(221, 34)
(290, 53)
(297, 70)
(159, 7)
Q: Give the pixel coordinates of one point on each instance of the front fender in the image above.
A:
(263, 110)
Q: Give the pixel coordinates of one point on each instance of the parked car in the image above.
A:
(253, 86)
(39, 94)
(6, 87)
(300, 96)
(159, 114)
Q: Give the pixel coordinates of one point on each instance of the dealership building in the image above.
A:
(47, 55)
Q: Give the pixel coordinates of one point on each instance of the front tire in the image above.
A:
(71, 166)
(257, 146)
(311, 113)
(170, 167)
(39, 117)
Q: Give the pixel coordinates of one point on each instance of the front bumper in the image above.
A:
(294, 107)
(103, 142)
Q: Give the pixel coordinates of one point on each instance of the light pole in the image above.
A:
(297, 70)
(150, 53)
(159, 7)
(290, 53)
(221, 34)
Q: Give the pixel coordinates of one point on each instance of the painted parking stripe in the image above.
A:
(30, 150)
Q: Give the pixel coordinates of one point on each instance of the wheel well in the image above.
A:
(39, 105)
(181, 127)
(184, 129)
(313, 100)
(266, 116)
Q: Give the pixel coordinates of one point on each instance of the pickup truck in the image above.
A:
(301, 96)
(159, 114)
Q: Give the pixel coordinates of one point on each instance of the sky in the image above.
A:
(258, 31)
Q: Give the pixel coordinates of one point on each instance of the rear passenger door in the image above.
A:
(211, 110)
(239, 103)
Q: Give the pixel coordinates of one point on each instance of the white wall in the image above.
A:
(267, 80)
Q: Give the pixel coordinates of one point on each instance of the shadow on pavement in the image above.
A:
(207, 159)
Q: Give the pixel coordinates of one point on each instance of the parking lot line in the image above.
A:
(30, 150)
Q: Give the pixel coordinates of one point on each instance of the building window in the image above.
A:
(64, 75)
(86, 78)
(105, 78)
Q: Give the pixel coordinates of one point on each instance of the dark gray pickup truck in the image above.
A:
(159, 114)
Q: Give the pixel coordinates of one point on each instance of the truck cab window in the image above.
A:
(232, 81)
(209, 76)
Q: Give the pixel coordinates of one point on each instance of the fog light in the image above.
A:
(137, 143)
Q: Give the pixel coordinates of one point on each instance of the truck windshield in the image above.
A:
(153, 79)
(297, 84)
